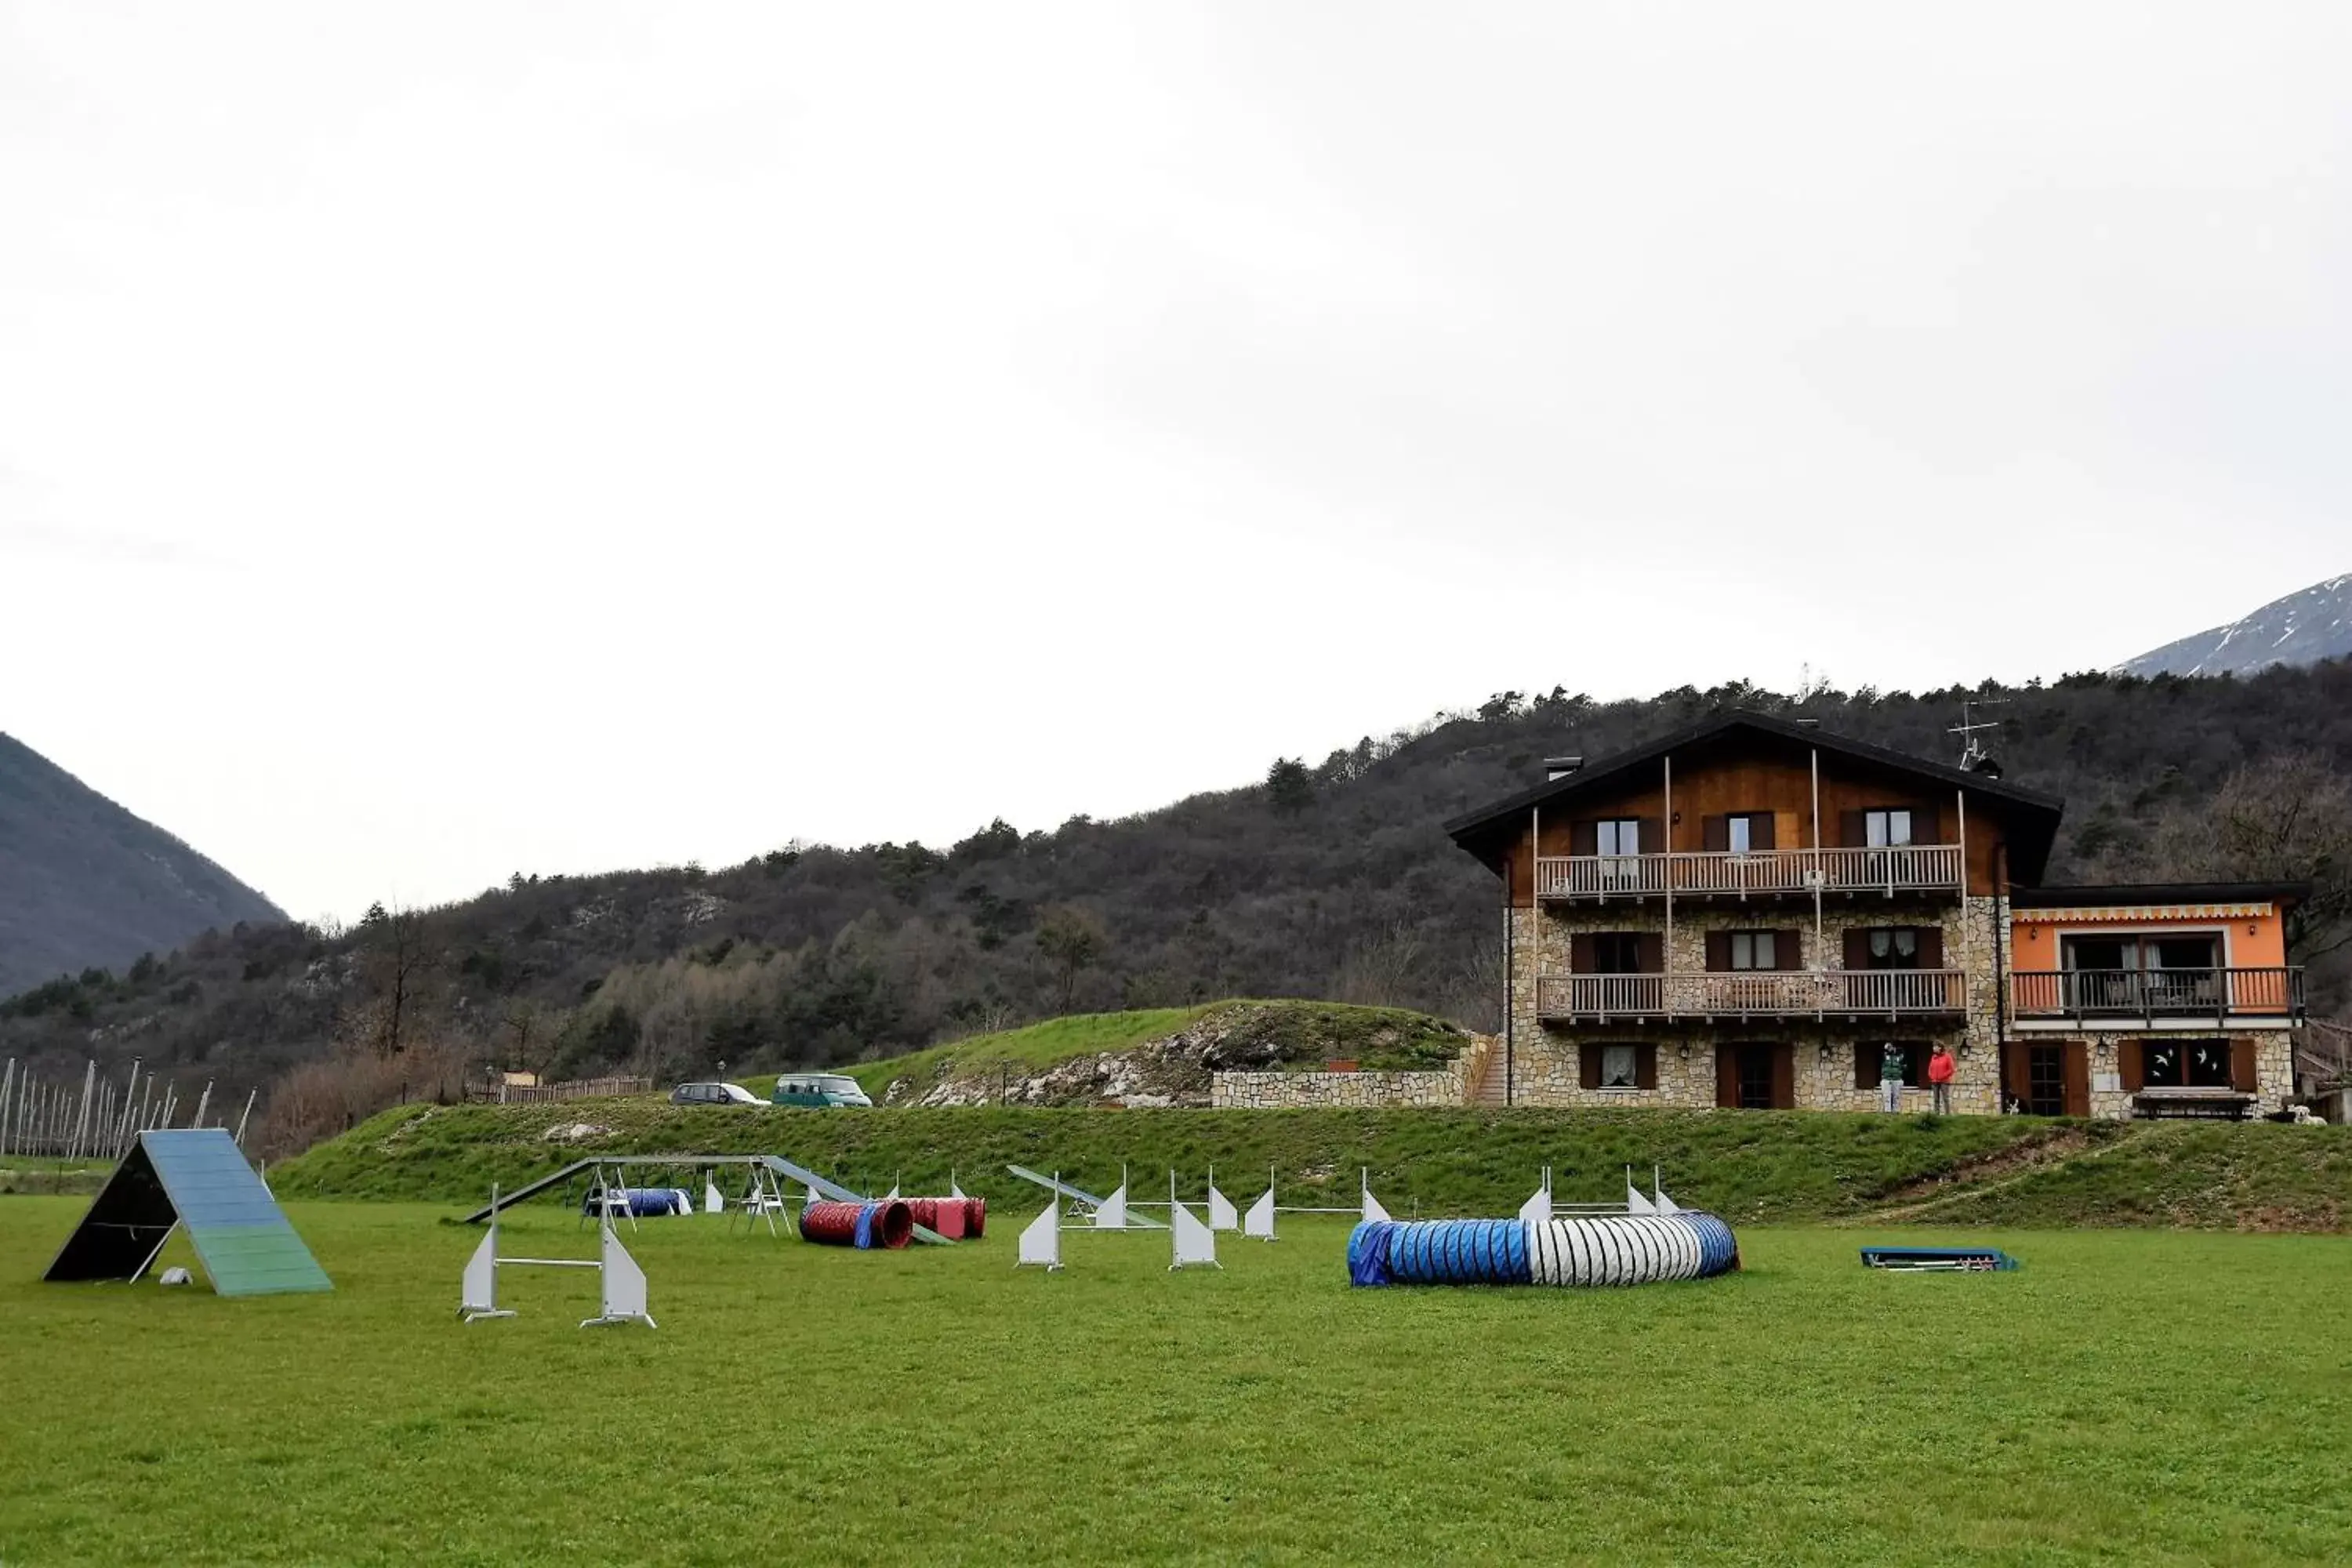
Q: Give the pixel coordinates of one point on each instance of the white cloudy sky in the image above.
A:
(438, 440)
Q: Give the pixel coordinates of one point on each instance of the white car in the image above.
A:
(713, 1094)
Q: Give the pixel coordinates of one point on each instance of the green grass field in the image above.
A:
(2137, 1396)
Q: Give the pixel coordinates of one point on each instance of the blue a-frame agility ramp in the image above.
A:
(197, 1177)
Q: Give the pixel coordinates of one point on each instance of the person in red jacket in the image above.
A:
(1939, 1078)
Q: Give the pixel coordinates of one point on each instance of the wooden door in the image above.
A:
(1784, 1077)
(2078, 1078)
(2016, 1074)
(1727, 1076)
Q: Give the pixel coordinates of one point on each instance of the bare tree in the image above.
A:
(2286, 818)
(1383, 971)
(1073, 939)
(397, 964)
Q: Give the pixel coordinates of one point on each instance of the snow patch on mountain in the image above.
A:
(2302, 629)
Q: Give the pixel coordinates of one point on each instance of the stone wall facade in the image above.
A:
(1545, 1059)
(2273, 1068)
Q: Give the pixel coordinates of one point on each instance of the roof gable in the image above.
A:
(2033, 816)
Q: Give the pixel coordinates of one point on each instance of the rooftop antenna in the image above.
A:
(1974, 758)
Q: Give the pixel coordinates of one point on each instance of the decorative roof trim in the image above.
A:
(2145, 913)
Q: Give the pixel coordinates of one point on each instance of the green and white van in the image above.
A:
(818, 1088)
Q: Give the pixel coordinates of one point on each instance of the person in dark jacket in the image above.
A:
(1890, 1076)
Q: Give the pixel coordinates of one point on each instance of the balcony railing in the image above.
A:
(2148, 994)
(1766, 993)
(1907, 868)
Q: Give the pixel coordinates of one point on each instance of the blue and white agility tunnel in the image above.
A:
(1591, 1250)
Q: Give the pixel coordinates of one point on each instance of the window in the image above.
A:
(1886, 829)
(1893, 947)
(1754, 950)
(2186, 1064)
(2136, 972)
(1616, 1066)
(1749, 833)
(1616, 953)
(1617, 836)
(1870, 1060)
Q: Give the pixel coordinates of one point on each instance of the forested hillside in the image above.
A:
(84, 882)
(1330, 878)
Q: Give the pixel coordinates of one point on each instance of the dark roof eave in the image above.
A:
(1469, 824)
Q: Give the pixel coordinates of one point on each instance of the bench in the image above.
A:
(2192, 1104)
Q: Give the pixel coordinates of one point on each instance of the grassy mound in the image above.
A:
(2204, 1177)
(1277, 1034)
(1779, 1165)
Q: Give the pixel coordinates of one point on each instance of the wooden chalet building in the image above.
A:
(1745, 913)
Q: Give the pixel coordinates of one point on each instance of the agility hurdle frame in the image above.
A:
(620, 1283)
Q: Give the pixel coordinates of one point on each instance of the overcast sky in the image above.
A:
(440, 440)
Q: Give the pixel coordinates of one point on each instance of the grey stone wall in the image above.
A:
(1282, 1090)
(1546, 1059)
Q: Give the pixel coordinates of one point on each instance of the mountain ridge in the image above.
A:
(2304, 627)
(90, 884)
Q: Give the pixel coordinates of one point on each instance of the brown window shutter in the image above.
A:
(1927, 825)
(1654, 835)
(1727, 1078)
(1931, 947)
(2130, 1065)
(2016, 1067)
(1786, 953)
(1650, 952)
(1719, 952)
(1580, 953)
(1784, 1077)
(1789, 825)
(1759, 831)
(1588, 1065)
(1646, 1067)
(1718, 833)
(1852, 832)
(1857, 949)
(1865, 1065)
(1584, 838)
(2242, 1076)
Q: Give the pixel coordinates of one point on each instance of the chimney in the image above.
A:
(1560, 767)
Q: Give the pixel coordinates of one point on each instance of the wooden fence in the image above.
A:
(583, 1088)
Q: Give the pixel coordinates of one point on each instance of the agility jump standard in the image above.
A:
(622, 1284)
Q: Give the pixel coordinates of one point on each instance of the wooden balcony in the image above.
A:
(1709, 874)
(2154, 998)
(1759, 994)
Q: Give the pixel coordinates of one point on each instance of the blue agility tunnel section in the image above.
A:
(1938, 1259)
(1456, 1252)
(1593, 1250)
